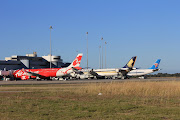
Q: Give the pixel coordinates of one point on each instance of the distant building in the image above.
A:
(31, 61)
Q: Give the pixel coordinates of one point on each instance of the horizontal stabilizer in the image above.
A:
(156, 70)
(76, 70)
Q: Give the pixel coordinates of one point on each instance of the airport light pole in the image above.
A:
(99, 57)
(105, 54)
(102, 52)
(87, 49)
(50, 45)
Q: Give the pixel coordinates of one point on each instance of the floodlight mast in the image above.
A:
(102, 52)
(87, 49)
(105, 54)
(50, 47)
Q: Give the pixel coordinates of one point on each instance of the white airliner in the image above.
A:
(142, 72)
(106, 73)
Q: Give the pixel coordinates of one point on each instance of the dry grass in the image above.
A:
(165, 89)
(119, 100)
(169, 89)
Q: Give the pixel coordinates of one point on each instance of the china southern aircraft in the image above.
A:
(142, 72)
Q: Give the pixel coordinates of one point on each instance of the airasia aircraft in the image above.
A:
(25, 74)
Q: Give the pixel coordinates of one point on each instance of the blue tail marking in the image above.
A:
(156, 64)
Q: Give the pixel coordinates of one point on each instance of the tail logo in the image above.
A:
(156, 65)
(130, 64)
(77, 60)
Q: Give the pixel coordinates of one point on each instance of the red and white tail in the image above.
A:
(77, 61)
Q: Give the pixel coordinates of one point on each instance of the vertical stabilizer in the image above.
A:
(131, 63)
(76, 62)
(156, 64)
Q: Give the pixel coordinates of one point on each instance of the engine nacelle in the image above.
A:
(25, 77)
(84, 76)
(118, 70)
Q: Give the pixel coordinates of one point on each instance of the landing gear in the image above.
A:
(143, 77)
(38, 78)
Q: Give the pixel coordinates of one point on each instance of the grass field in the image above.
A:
(97, 101)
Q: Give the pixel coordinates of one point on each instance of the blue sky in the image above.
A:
(147, 29)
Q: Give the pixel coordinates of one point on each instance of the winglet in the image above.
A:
(156, 64)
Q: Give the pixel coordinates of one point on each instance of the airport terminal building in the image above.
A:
(31, 61)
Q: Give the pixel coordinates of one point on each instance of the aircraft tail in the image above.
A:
(131, 63)
(156, 64)
(77, 61)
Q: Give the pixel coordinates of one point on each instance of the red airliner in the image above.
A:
(25, 74)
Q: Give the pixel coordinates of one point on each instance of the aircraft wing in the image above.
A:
(95, 74)
(33, 74)
(121, 72)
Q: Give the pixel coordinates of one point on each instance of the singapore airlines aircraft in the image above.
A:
(25, 74)
(142, 72)
(106, 73)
